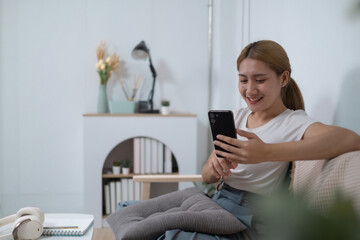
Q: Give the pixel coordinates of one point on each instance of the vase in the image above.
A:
(102, 104)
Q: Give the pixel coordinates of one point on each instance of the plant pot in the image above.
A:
(125, 170)
(116, 169)
(165, 110)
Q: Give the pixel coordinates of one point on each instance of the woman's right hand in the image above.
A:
(216, 168)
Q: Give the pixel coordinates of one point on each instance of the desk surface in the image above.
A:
(102, 234)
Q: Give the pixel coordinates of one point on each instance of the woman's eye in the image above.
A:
(260, 80)
(243, 80)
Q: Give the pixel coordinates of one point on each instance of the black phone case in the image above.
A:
(222, 122)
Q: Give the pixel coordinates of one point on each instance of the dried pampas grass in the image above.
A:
(106, 67)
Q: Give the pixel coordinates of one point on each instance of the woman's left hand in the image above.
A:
(245, 152)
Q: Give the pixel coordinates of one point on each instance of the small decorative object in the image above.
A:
(104, 69)
(165, 107)
(102, 106)
(122, 106)
(129, 105)
(125, 166)
(143, 106)
(136, 83)
(116, 168)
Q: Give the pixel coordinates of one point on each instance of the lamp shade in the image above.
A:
(140, 51)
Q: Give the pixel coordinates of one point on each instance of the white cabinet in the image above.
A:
(103, 132)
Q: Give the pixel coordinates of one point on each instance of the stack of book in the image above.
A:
(151, 156)
(120, 190)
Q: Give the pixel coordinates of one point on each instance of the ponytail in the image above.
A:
(291, 96)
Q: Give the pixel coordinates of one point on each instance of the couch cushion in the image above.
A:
(320, 179)
(189, 209)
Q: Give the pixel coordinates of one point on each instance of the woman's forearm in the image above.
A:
(320, 142)
(206, 174)
(207, 171)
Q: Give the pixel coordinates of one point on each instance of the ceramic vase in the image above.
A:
(102, 104)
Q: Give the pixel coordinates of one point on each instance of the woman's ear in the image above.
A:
(284, 78)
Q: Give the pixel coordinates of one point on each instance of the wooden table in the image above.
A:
(163, 178)
(103, 234)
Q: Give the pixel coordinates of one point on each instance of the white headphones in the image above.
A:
(28, 224)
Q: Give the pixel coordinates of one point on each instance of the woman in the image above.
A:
(273, 131)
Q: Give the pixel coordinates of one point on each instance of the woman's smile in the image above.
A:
(254, 100)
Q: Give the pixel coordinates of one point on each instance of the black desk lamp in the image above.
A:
(142, 52)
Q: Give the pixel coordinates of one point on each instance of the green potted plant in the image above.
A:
(288, 217)
(125, 164)
(165, 107)
(116, 167)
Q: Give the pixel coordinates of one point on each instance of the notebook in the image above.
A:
(67, 224)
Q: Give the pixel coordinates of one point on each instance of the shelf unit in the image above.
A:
(103, 132)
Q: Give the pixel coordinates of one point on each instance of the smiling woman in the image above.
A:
(274, 130)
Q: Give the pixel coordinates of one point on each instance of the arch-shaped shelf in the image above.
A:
(146, 155)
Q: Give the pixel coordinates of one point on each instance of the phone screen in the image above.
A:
(222, 122)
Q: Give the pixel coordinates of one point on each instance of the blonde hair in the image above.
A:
(275, 56)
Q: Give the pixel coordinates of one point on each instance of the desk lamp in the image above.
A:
(142, 52)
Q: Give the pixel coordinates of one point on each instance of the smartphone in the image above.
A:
(222, 122)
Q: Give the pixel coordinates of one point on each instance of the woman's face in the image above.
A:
(260, 86)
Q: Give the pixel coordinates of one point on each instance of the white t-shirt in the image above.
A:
(264, 178)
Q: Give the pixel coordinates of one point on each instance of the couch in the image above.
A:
(319, 180)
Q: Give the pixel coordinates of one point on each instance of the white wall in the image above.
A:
(48, 78)
(1, 119)
(227, 44)
(322, 40)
